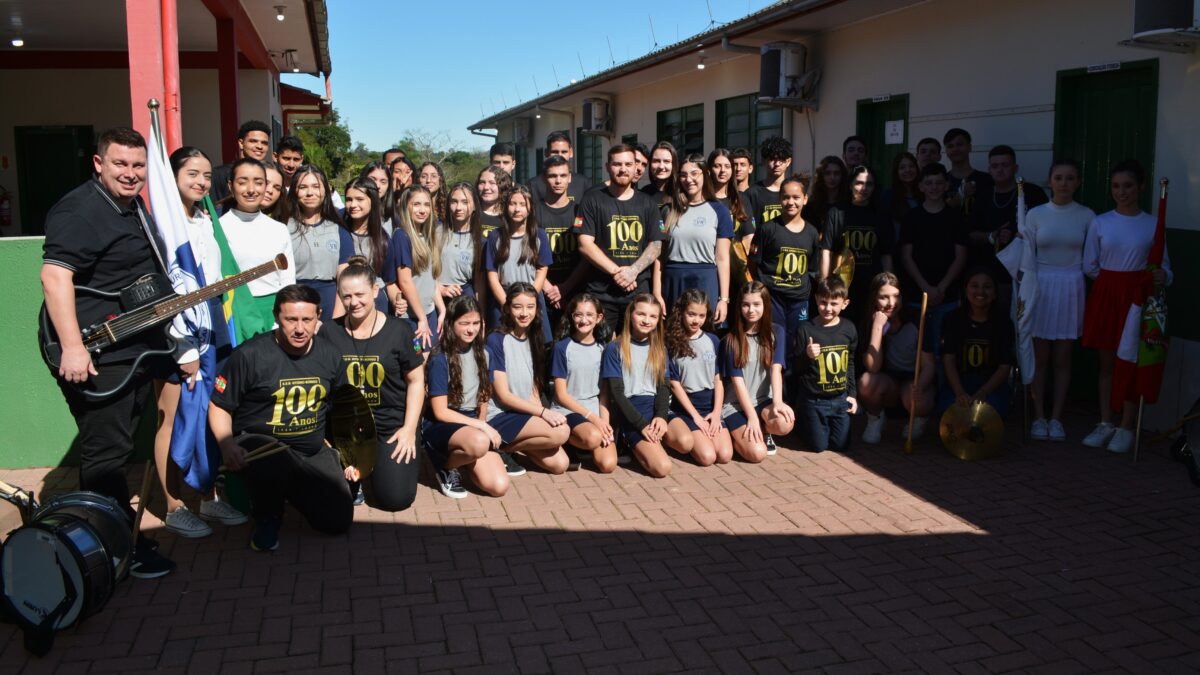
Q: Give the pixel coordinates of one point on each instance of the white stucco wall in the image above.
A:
(100, 98)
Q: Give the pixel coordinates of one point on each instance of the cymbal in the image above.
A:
(972, 432)
(353, 428)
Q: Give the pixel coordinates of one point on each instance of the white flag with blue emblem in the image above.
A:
(190, 448)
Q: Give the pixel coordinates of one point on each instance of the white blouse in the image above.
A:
(255, 238)
(1120, 244)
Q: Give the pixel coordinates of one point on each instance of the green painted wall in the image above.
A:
(36, 429)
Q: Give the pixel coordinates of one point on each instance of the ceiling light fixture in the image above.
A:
(18, 42)
(279, 13)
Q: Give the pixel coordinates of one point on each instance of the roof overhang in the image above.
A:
(785, 20)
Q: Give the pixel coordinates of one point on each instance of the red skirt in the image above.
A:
(1108, 308)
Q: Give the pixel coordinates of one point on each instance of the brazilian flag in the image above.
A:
(245, 315)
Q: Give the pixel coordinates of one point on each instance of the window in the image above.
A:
(742, 123)
(684, 128)
(589, 155)
(629, 139)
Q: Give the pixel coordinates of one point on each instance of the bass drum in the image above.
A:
(111, 523)
(62, 566)
(56, 572)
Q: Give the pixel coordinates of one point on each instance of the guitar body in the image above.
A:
(146, 303)
(143, 293)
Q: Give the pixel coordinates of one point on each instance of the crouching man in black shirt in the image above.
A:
(278, 384)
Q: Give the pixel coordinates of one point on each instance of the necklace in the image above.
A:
(1011, 196)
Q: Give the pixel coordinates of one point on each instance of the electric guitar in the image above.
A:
(148, 302)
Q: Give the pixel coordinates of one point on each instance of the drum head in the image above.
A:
(40, 570)
(111, 524)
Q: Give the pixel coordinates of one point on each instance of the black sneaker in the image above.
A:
(573, 459)
(266, 535)
(148, 564)
(511, 465)
(770, 441)
(360, 497)
(450, 483)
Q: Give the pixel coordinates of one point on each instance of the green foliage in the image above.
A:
(329, 147)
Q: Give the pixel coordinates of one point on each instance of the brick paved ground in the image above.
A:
(1052, 559)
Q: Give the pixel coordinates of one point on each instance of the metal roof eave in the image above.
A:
(779, 11)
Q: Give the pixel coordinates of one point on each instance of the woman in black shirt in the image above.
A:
(381, 357)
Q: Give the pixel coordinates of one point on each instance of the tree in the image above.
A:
(328, 146)
(458, 165)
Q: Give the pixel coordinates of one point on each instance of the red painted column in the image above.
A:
(144, 33)
(227, 87)
(172, 124)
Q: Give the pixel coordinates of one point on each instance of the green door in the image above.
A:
(883, 121)
(1102, 115)
(51, 161)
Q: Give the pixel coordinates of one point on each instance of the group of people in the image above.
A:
(701, 314)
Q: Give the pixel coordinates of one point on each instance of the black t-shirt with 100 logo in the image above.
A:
(557, 223)
(268, 391)
(832, 372)
(784, 260)
(378, 366)
(622, 229)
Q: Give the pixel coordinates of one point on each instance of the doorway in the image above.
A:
(1103, 114)
(883, 122)
(51, 161)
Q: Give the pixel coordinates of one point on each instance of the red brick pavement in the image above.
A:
(1052, 559)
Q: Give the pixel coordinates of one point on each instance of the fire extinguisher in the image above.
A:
(5, 207)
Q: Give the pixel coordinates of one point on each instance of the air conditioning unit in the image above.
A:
(521, 130)
(783, 79)
(597, 116)
(1171, 25)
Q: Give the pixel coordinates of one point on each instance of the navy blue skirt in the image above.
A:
(509, 425)
(701, 400)
(645, 406)
(678, 277)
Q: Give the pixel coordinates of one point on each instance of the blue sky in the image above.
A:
(440, 66)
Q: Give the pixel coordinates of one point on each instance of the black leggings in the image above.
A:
(313, 484)
(392, 486)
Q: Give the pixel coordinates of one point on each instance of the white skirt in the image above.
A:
(1061, 299)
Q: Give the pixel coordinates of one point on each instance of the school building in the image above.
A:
(70, 69)
(1096, 80)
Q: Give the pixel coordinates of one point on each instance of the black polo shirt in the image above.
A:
(107, 248)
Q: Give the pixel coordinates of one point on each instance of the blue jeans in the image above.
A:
(789, 315)
(826, 422)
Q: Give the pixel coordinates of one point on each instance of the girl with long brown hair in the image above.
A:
(698, 392)
(754, 359)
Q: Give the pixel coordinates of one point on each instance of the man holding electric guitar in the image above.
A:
(101, 236)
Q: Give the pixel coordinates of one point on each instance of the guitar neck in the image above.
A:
(175, 305)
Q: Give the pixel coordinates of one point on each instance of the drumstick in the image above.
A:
(916, 388)
(261, 452)
(8, 490)
(143, 497)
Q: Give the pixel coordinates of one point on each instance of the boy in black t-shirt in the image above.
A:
(994, 218)
(933, 248)
(829, 384)
(558, 144)
(556, 216)
(278, 384)
(965, 181)
(764, 196)
(619, 230)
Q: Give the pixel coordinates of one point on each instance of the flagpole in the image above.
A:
(1137, 433)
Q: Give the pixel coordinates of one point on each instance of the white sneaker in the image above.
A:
(222, 512)
(1056, 431)
(1122, 441)
(874, 431)
(1100, 436)
(918, 428)
(1039, 430)
(184, 523)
